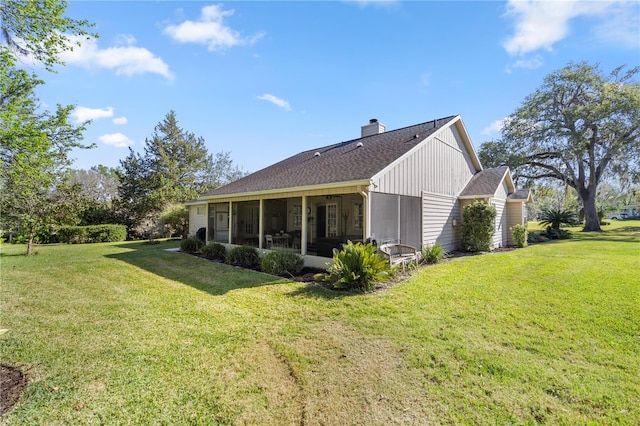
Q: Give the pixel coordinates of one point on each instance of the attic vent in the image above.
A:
(317, 154)
(416, 136)
(359, 144)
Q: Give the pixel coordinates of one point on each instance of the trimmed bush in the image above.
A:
(91, 234)
(433, 254)
(191, 245)
(557, 234)
(246, 257)
(282, 262)
(519, 233)
(357, 266)
(536, 237)
(214, 251)
(477, 226)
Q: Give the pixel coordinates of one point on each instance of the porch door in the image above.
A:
(332, 220)
(321, 226)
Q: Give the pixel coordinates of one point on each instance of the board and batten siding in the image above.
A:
(439, 165)
(438, 214)
(197, 221)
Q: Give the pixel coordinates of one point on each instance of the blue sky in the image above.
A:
(265, 80)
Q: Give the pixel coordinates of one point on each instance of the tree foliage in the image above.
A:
(577, 127)
(35, 189)
(39, 29)
(175, 168)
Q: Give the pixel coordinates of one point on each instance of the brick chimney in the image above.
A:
(373, 128)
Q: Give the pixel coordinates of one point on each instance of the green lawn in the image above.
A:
(129, 333)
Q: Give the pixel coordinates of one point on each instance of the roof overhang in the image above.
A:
(331, 187)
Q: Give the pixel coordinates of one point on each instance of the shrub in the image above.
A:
(537, 237)
(246, 257)
(554, 218)
(432, 253)
(191, 245)
(282, 262)
(214, 251)
(519, 233)
(91, 234)
(357, 266)
(477, 226)
(557, 234)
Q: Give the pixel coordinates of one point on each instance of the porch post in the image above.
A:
(230, 222)
(260, 224)
(303, 232)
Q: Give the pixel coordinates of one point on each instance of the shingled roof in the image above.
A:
(349, 161)
(485, 182)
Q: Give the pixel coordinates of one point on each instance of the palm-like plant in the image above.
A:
(554, 218)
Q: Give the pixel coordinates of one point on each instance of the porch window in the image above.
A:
(332, 220)
(357, 216)
(297, 216)
(200, 211)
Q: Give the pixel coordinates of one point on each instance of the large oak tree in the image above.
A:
(579, 125)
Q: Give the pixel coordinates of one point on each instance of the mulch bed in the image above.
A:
(12, 381)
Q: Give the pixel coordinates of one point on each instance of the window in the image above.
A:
(332, 220)
(357, 215)
(200, 211)
(297, 216)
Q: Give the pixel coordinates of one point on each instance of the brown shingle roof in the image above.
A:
(520, 194)
(341, 162)
(485, 182)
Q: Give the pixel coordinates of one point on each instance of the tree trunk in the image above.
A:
(591, 219)
(30, 244)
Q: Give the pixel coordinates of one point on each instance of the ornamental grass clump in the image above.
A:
(356, 266)
(433, 253)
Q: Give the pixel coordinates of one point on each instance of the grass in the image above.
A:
(129, 333)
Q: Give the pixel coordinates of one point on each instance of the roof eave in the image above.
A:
(260, 194)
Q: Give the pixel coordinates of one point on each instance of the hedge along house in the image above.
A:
(403, 185)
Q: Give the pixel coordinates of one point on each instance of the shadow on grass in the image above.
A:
(208, 276)
(627, 234)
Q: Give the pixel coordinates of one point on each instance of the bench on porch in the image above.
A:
(399, 254)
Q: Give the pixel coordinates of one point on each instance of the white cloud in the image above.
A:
(210, 30)
(540, 24)
(82, 114)
(124, 58)
(120, 120)
(276, 101)
(495, 127)
(116, 139)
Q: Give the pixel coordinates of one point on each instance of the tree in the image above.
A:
(38, 28)
(98, 190)
(577, 127)
(176, 167)
(36, 193)
(35, 188)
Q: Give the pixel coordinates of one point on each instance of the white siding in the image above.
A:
(439, 165)
(438, 213)
(197, 221)
(500, 231)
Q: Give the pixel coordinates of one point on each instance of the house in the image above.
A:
(406, 185)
